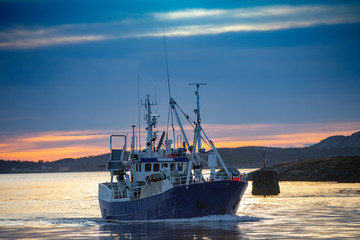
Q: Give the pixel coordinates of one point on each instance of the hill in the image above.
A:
(339, 142)
(84, 164)
(252, 157)
(340, 169)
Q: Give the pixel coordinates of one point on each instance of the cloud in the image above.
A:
(54, 145)
(277, 11)
(267, 18)
(41, 37)
(190, 14)
(182, 23)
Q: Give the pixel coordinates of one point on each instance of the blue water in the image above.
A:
(65, 206)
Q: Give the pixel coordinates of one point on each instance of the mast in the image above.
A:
(151, 121)
(133, 138)
(197, 111)
(139, 139)
(199, 129)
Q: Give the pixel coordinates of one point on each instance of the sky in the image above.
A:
(278, 73)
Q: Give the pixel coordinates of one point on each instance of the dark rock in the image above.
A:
(338, 169)
(265, 182)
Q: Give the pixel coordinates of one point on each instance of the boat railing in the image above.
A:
(242, 177)
(120, 192)
(135, 192)
(221, 176)
(125, 192)
(179, 181)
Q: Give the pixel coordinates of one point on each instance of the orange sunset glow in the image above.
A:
(283, 141)
(55, 145)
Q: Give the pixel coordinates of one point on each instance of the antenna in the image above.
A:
(167, 66)
(139, 110)
(170, 98)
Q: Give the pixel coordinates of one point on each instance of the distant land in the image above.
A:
(339, 169)
(242, 157)
(252, 157)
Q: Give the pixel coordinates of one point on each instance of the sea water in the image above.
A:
(65, 206)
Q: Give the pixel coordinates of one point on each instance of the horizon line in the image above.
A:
(52, 146)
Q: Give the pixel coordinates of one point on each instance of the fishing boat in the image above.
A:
(166, 180)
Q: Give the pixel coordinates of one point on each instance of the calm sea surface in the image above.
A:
(65, 206)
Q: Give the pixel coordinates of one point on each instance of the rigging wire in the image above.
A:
(187, 118)
(192, 122)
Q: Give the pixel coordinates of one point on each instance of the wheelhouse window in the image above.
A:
(164, 165)
(147, 167)
(172, 166)
(180, 166)
(156, 167)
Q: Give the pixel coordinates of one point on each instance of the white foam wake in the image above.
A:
(211, 218)
(219, 218)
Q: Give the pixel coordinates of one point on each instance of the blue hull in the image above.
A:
(196, 200)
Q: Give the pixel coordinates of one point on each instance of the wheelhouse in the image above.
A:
(145, 167)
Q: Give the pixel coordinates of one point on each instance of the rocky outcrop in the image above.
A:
(265, 182)
(339, 169)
